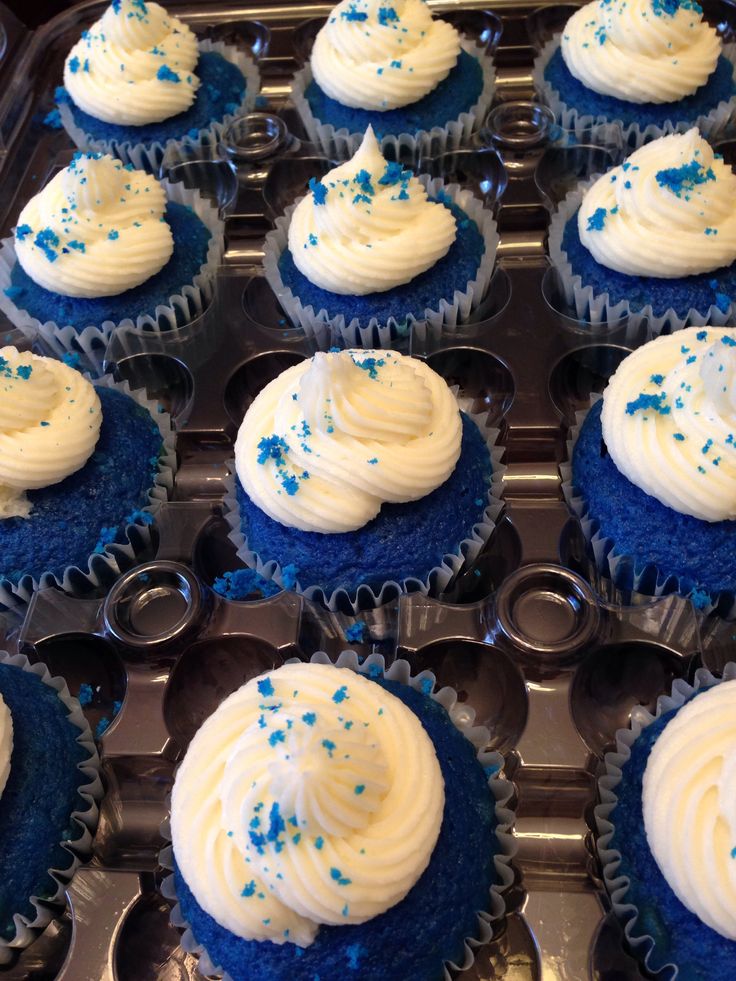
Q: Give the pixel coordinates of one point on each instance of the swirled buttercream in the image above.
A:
(368, 226)
(382, 54)
(669, 421)
(325, 444)
(689, 804)
(134, 66)
(311, 796)
(6, 743)
(50, 418)
(96, 229)
(641, 50)
(667, 211)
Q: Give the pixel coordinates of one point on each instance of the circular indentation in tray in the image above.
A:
(481, 26)
(261, 306)
(214, 553)
(561, 169)
(579, 374)
(148, 947)
(480, 376)
(254, 136)
(253, 376)
(519, 125)
(165, 379)
(482, 171)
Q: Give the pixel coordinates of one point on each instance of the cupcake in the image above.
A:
(138, 81)
(83, 469)
(653, 239)
(668, 830)
(317, 816)
(420, 85)
(104, 245)
(49, 792)
(371, 249)
(653, 470)
(650, 67)
(357, 476)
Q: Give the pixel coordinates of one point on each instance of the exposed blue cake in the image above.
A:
(680, 937)
(456, 94)
(409, 941)
(73, 519)
(220, 94)
(40, 795)
(453, 272)
(404, 540)
(719, 88)
(700, 554)
(245, 584)
(191, 241)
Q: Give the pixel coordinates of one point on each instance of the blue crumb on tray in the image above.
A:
(41, 793)
(357, 633)
(191, 242)
(719, 88)
(403, 541)
(245, 584)
(73, 519)
(701, 554)
(453, 272)
(409, 941)
(220, 94)
(456, 94)
(680, 936)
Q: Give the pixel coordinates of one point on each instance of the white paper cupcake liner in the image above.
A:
(715, 125)
(447, 316)
(365, 597)
(642, 944)
(103, 568)
(610, 565)
(148, 156)
(91, 340)
(492, 762)
(91, 792)
(339, 144)
(598, 309)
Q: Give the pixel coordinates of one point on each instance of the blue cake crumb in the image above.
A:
(86, 694)
(410, 940)
(719, 88)
(245, 584)
(40, 795)
(680, 936)
(357, 633)
(66, 518)
(221, 91)
(403, 541)
(191, 241)
(701, 554)
(456, 94)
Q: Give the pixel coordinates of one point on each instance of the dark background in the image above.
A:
(35, 12)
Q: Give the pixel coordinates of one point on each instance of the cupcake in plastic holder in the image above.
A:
(667, 825)
(138, 82)
(49, 794)
(318, 815)
(371, 250)
(104, 245)
(83, 470)
(652, 472)
(421, 86)
(649, 67)
(357, 476)
(653, 239)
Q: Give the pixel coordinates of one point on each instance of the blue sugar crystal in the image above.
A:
(165, 74)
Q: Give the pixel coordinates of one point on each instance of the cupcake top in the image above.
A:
(641, 50)
(368, 226)
(6, 743)
(134, 66)
(50, 418)
(689, 806)
(377, 55)
(669, 421)
(325, 444)
(96, 229)
(667, 211)
(311, 796)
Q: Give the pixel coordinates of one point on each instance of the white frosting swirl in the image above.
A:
(368, 226)
(667, 211)
(50, 418)
(325, 444)
(641, 50)
(689, 804)
(96, 229)
(669, 421)
(6, 743)
(134, 66)
(311, 796)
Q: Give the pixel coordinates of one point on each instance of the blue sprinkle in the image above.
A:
(165, 74)
(85, 695)
(657, 379)
(426, 686)
(337, 876)
(359, 788)
(329, 746)
(248, 889)
(318, 843)
(356, 632)
(319, 190)
(113, 235)
(340, 695)
(655, 402)
(74, 65)
(265, 687)
(22, 232)
(277, 736)
(679, 437)
(309, 718)
(597, 220)
(53, 120)
(386, 15)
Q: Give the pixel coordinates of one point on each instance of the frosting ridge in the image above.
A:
(6, 743)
